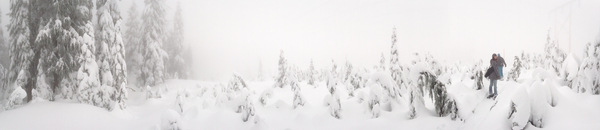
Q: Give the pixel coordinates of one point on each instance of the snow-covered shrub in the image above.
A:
(238, 94)
(237, 83)
(43, 89)
(153, 94)
(299, 99)
(570, 69)
(444, 103)
(120, 96)
(415, 96)
(171, 120)
(520, 109)
(331, 83)
(374, 99)
(588, 77)
(16, 98)
(69, 87)
(311, 74)
(554, 56)
(283, 70)
(516, 70)
(542, 95)
(335, 106)
(539, 104)
(266, 94)
(396, 69)
(180, 104)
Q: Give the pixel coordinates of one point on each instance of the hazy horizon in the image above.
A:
(229, 36)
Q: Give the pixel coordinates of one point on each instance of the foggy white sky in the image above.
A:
(233, 35)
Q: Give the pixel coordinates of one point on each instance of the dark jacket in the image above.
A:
(495, 64)
(501, 61)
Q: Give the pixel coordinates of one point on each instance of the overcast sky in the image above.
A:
(232, 35)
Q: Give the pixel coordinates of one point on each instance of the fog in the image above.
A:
(234, 36)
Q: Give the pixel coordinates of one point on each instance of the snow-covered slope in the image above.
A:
(205, 106)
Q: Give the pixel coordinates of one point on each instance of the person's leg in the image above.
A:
(495, 87)
(501, 74)
(490, 88)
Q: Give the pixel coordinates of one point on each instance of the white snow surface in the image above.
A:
(535, 88)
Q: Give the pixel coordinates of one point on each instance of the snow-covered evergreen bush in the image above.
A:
(424, 81)
(43, 89)
(16, 98)
(477, 75)
(171, 120)
(373, 102)
(570, 69)
(266, 94)
(69, 87)
(520, 109)
(396, 69)
(381, 66)
(539, 104)
(588, 76)
(333, 99)
(312, 74)
(153, 93)
(283, 70)
(516, 70)
(299, 99)
(237, 94)
(17, 94)
(335, 106)
(180, 103)
(553, 55)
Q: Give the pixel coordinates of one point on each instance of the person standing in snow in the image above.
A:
(495, 64)
(502, 65)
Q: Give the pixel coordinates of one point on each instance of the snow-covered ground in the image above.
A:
(204, 108)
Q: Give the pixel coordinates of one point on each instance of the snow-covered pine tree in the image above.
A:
(524, 60)
(133, 39)
(19, 45)
(177, 66)
(4, 56)
(553, 56)
(4, 60)
(299, 99)
(281, 77)
(311, 73)
(395, 68)
(588, 79)
(516, 70)
(110, 55)
(477, 75)
(62, 32)
(333, 100)
(153, 56)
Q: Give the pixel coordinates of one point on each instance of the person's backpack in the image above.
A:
(489, 72)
